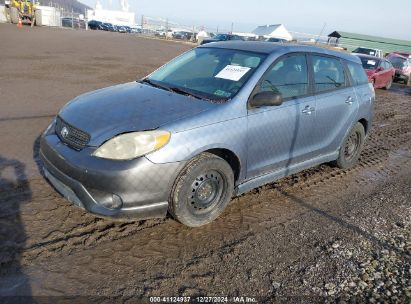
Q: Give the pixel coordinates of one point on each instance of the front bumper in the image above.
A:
(401, 76)
(143, 187)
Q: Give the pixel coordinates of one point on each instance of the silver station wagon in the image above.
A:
(211, 124)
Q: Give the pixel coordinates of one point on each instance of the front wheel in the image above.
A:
(351, 148)
(202, 190)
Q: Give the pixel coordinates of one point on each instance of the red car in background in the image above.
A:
(402, 64)
(379, 71)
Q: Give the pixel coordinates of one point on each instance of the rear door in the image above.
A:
(336, 102)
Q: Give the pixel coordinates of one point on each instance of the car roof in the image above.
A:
(269, 48)
(369, 57)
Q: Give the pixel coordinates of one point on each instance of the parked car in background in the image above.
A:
(404, 54)
(160, 33)
(95, 25)
(371, 52)
(402, 67)
(108, 27)
(182, 35)
(217, 121)
(272, 39)
(121, 29)
(379, 71)
(127, 28)
(135, 30)
(222, 37)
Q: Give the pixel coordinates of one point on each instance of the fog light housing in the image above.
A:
(111, 202)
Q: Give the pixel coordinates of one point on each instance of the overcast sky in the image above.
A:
(359, 16)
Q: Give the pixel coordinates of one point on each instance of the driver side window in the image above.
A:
(288, 76)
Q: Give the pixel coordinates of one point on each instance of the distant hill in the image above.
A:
(67, 5)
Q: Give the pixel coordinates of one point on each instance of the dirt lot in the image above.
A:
(324, 232)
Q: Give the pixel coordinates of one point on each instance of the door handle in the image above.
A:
(308, 110)
(349, 100)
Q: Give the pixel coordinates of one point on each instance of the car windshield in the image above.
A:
(397, 62)
(209, 73)
(369, 63)
(370, 52)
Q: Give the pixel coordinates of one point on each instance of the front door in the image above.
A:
(279, 136)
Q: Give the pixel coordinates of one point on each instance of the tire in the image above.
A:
(202, 190)
(388, 85)
(14, 15)
(351, 148)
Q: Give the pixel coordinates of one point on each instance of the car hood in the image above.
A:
(126, 108)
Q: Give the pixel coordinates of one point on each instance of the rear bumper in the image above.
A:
(142, 187)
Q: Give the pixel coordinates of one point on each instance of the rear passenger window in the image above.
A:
(328, 74)
(357, 73)
(288, 76)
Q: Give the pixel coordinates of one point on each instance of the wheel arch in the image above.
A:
(231, 158)
(365, 124)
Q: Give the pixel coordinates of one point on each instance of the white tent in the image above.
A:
(274, 31)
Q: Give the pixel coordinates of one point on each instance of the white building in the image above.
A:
(123, 17)
(273, 31)
(114, 17)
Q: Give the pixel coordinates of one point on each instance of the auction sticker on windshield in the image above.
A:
(233, 72)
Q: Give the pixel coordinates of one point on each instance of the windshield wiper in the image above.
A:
(172, 89)
(154, 84)
(184, 92)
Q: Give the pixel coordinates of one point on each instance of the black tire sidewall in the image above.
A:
(179, 203)
(342, 162)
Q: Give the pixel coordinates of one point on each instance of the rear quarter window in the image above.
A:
(357, 72)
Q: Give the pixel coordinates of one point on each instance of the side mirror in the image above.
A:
(267, 98)
(379, 69)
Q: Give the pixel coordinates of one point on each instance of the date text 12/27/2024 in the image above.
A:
(204, 299)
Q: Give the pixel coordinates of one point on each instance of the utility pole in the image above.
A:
(142, 22)
(166, 31)
(193, 38)
(85, 19)
(72, 18)
(232, 27)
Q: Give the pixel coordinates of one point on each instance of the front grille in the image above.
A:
(70, 135)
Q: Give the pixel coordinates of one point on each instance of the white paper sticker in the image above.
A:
(371, 62)
(233, 72)
(372, 53)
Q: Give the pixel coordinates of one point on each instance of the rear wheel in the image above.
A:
(202, 190)
(351, 148)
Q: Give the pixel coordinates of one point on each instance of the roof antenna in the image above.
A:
(321, 33)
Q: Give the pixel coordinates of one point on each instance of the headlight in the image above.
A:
(50, 128)
(132, 145)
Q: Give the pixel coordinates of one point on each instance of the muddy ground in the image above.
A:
(324, 233)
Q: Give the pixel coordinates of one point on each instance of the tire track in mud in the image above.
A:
(376, 163)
